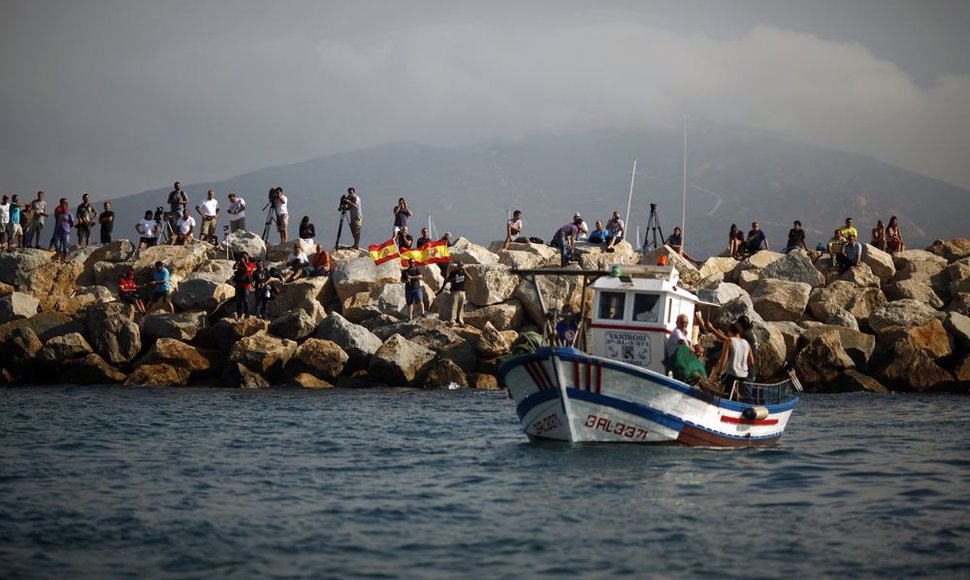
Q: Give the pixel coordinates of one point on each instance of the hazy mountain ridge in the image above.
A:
(738, 173)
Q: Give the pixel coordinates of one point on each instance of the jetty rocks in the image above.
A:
(895, 322)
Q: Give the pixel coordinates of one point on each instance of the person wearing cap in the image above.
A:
(581, 224)
(565, 239)
(128, 291)
(412, 288)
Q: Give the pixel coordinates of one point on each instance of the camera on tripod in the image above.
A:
(344, 204)
(159, 213)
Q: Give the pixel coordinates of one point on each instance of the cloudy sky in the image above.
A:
(120, 96)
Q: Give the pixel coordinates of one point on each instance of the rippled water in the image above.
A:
(142, 483)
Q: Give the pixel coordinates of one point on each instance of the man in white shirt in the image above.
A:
(581, 224)
(615, 230)
(513, 228)
(278, 199)
(209, 210)
(186, 227)
(678, 336)
(237, 213)
(4, 217)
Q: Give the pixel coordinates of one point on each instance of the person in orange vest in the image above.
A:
(662, 260)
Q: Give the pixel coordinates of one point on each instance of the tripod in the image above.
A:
(230, 255)
(165, 232)
(652, 241)
(271, 217)
(340, 228)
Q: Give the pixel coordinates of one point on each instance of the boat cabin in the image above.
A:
(634, 310)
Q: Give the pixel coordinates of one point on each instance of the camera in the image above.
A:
(159, 213)
(344, 204)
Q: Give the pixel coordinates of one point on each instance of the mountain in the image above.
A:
(736, 175)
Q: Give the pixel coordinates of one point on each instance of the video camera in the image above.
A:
(159, 213)
(344, 204)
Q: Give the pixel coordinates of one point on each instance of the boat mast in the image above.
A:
(629, 199)
(683, 214)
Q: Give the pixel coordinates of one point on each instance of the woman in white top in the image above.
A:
(297, 261)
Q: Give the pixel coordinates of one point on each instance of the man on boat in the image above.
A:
(678, 336)
(565, 239)
(736, 358)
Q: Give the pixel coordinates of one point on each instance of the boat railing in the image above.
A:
(764, 393)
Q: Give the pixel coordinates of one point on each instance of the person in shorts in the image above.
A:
(282, 214)
(15, 233)
(209, 211)
(356, 217)
(162, 287)
(412, 289)
(237, 213)
(86, 215)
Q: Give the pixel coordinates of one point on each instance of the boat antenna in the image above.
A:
(683, 215)
(629, 199)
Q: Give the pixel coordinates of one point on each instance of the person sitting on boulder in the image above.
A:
(851, 255)
(307, 230)
(598, 235)
(676, 243)
(735, 242)
(756, 240)
(848, 229)
(319, 263)
(836, 245)
(513, 228)
(879, 236)
(796, 238)
(894, 239)
(297, 261)
(128, 291)
(567, 327)
(615, 230)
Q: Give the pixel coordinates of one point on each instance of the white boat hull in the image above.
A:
(566, 395)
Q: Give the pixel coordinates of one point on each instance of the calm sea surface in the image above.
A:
(142, 483)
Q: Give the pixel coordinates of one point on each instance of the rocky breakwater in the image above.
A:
(64, 323)
(894, 322)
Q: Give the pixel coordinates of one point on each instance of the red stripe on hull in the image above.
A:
(743, 421)
(691, 435)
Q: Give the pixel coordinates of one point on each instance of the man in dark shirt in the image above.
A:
(404, 239)
(796, 238)
(107, 221)
(756, 239)
(424, 239)
(412, 289)
(457, 280)
(177, 201)
(565, 240)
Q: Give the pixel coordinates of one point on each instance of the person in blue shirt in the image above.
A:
(850, 255)
(598, 235)
(14, 230)
(161, 287)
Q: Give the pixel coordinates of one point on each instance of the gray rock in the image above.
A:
(913, 289)
(353, 276)
(399, 362)
(228, 331)
(879, 262)
(843, 317)
(307, 294)
(735, 309)
(951, 250)
(958, 326)
(780, 299)
(182, 325)
(917, 265)
(16, 268)
(263, 354)
(822, 360)
(844, 295)
(17, 305)
(90, 370)
(444, 373)
(905, 313)
(112, 332)
(860, 275)
(49, 324)
(504, 316)
(358, 342)
(465, 252)
(795, 266)
(491, 343)
(242, 241)
(487, 285)
(202, 293)
(294, 325)
(318, 357)
(858, 345)
(63, 348)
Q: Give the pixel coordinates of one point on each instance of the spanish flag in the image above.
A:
(430, 253)
(383, 252)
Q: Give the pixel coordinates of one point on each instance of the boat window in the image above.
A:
(611, 305)
(646, 307)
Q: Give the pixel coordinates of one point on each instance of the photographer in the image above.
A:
(278, 199)
(402, 211)
(237, 213)
(351, 203)
(209, 210)
(177, 201)
(262, 290)
(186, 227)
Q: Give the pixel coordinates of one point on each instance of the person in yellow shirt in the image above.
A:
(848, 229)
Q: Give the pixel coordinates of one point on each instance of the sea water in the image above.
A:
(392, 483)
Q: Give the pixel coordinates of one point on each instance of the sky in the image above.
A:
(121, 96)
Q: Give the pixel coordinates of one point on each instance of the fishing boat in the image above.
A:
(603, 379)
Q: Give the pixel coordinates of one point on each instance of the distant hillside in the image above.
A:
(736, 175)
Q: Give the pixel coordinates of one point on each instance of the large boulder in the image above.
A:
(308, 381)
(90, 370)
(912, 355)
(960, 303)
(950, 250)
(399, 361)
(445, 374)
(858, 345)
(906, 313)
(176, 353)
(17, 267)
(237, 375)
(303, 294)
(241, 242)
(491, 343)
(718, 265)
(112, 332)
(913, 289)
(593, 257)
(18, 305)
(263, 354)
(54, 284)
(770, 350)
(63, 348)
(107, 274)
(357, 275)
(861, 275)
(880, 263)
(958, 326)
(790, 332)
(504, 316)
(85, 296)
(158, 375)
(917, 265)
(732, 310)
(20, 347)
(115, 252)
(852, 380)
(525, 255)
(860, 302)
(780, 300)
(689, 274)
(795, 266)
(388, 300)
(486, 285)
(228, 331)
(822, 360)
(843, 317)
(355, 340)
(958, 276)
(47, 325)
(723, 292)
(201, 292)
(294, 325)
(182, 325)
(557, 291)
(320, 358)
(179, 260)
(465, 252)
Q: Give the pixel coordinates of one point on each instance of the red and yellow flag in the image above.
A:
(383, 252)
(430, 253)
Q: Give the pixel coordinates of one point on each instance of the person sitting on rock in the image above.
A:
(879, 236)
(307, 230)
(413, 293)
(565, 240)
(756, 240)
(128, 291)
(676, 243)
(319, 263)
(850, 256)
(735, 242)
(848, 229)
(894, 239)
(513, 228)
(297, 261)
(796, 238)
(615, 230)
(598, 235)
(836, 245)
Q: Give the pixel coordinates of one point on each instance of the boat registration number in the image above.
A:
(546, 424)
(622, 429)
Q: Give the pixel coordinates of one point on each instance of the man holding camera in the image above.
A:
(278, 199)
(209, 210)
(351, 203)
(402, 211)
(177, 201)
